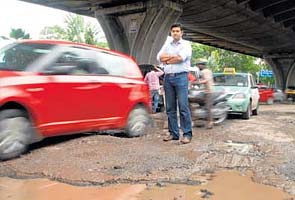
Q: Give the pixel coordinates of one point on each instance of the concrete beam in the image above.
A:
(284, 70)
(140, 34)
(120, 9)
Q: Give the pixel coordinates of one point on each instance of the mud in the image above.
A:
(264, 145)
(228, 185)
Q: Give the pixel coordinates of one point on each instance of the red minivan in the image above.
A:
(50, 88)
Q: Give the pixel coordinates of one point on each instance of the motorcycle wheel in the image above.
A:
(220, 119)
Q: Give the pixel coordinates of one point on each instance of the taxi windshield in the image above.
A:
(17, 57)
(239, 80)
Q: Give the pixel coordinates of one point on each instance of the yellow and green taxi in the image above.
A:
(243, 94)
(290, 93)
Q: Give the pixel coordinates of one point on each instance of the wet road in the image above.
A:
(263, 145)
(229, 185)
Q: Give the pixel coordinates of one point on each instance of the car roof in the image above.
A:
(239, 73)
(63, 42)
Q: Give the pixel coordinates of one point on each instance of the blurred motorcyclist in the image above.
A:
(206, 78)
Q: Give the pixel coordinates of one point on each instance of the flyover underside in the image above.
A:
(232, 25)
(262, 28)
(253, 27)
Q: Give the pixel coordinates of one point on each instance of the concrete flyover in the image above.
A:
(262, 28)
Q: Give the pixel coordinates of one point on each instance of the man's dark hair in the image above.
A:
(176, 25)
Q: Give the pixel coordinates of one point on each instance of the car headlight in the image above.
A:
(239, 96)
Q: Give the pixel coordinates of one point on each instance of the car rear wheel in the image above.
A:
(16, 133)
(138, 122)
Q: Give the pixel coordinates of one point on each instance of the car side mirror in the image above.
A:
(254, 87)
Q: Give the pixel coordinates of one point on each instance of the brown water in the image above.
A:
(227, 185)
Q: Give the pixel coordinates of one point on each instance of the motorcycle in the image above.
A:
(198, 108)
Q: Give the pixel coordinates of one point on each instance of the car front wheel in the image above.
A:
(138, 122)
(247, 114)
(256, 111)
(15, 133)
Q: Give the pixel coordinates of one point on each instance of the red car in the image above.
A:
(50, 88)
(266, 94)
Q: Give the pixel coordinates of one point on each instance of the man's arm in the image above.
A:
(170, 59)
(174, 59)
(185, 53)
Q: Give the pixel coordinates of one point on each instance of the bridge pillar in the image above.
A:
(139, 29)
(284, 70)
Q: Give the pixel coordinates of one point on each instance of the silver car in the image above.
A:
(279, 95)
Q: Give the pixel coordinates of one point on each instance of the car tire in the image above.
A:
(16, 132)
(247, 114)
(270, 101)
(256, 111)
(138, 122)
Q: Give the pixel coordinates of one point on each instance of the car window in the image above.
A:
(18, 57)
(74, 61)
(240, 80)
(117, 65)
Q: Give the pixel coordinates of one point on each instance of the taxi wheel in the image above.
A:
(247, 114)
(15, 133)
(138, 122)
(255, 112)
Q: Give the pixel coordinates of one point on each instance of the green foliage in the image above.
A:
(19, 34)
(76, 30)
(90, 33)
(103, 45)
(220, 58)
(53, 32)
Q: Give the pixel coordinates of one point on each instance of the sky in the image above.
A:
(31, 17)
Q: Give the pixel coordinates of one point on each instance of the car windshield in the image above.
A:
(240, 80)
(19, 56)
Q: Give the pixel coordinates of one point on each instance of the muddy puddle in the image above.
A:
(228, 185)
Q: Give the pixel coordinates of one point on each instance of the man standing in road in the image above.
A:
(207, 80)
(152, 79)
(175, 55)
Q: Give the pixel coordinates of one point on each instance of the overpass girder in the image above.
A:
(141, 29)
(284, 70)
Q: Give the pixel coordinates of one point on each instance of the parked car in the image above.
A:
(50, 88)
(290, 93)
(266, 94)
(243, 95)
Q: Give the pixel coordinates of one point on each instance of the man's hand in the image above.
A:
(165, 57)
